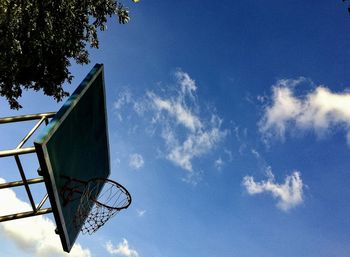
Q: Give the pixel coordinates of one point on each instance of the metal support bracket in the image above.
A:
(19, 150)
(27, 214)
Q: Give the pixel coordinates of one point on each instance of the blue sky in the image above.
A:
(229, 124)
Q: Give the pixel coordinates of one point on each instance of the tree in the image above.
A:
(39, 38)
(348, 7)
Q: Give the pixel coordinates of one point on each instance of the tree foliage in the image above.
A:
(39, 38)
(348, 6)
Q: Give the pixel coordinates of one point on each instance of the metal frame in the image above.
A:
(16, 152)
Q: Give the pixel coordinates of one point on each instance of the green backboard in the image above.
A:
(74, 147)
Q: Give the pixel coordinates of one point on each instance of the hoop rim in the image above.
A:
(119, 186)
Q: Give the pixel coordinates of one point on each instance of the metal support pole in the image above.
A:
(25, 214)
(24, 179)
(21, 183)
(12, 152)
(26, 117)
(42, 202)
(25, 139)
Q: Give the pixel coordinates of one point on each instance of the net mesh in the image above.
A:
(93, 212)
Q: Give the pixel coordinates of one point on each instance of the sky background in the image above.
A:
(229, 123)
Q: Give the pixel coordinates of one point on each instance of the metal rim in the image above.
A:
(119, 186)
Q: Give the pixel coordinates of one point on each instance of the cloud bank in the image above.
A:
(122, 249)
(289, 194)
(320, 110)
(33, 235)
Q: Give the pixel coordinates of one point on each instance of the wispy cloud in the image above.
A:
(33, 235)
(124, 97)
(195, 145)
(188, 85)
(179, 115)
(256, 154)
(140, 213)
(122, 249)
(193, 178)
(320, 110)
(229, 155)
(136, 161)
(177, 110)
(289, 194)
(218, 163)
(173, 113)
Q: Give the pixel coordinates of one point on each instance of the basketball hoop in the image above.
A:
(73, 153)
(93, 212)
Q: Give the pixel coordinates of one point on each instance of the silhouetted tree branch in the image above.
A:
(38, 38)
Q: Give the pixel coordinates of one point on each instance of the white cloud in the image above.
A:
(186, 133)
(218, 163)
(177, 110)
(34, 235)
(136, 161)
(256, 154)
(289, 194)
(126, 98)
(229, 155)
(175, 114)
(195, 145)
(188, 85)
(140, 213)
(193, 178)
(319, 110)
(261, 98)
(123, 98)
(122, 249)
